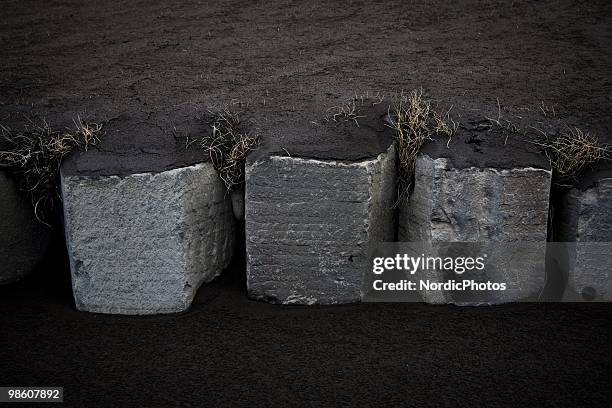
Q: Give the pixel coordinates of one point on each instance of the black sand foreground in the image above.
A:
(230, 351)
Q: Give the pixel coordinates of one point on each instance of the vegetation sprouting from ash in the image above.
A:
(228, 146)
(572, 152)
(34, 156)
(414, 121)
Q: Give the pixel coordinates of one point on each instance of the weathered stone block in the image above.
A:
(485, 205)
(585, 217)
(309, 225)
(23, 240)
(144, 243)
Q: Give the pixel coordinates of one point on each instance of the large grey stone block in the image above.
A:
(23, 240)
(485, 205)
(310, 224)
(585, 218)
(144, 243)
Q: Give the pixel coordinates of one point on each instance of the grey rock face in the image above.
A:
(481, 205)
(23, 240)
(237, 197)
(309, 225)
(585, 217)
(144, 243)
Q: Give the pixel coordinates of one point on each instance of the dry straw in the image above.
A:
(415, 121)
(572, 152)
(228, 147)
(35, 155)
(345, 113)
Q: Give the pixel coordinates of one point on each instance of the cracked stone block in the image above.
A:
(144, 243)
(488, 206)
(585, 218)
(310, 224)
(23, 240)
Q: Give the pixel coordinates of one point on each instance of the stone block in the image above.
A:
(486, 205)
(585, 218)
(144, 243)
(310, 224)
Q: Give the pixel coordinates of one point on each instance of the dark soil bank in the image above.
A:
(149, 69)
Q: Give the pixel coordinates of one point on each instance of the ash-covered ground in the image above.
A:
(149, 71)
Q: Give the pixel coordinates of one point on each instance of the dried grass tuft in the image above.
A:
(228, 146)
(573, 152)
(352, 109)
(346, 112)
(415, 121)
(35, 155)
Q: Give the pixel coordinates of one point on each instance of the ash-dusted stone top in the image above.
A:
(133, 142)
(328, 139)
(479, 142)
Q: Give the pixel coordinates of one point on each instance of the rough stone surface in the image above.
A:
(585, 217)
(310, 223)
(23, 240)
(481, 205)
(144, 243)
(237, 197)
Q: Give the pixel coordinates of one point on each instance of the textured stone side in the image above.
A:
(23, 240)
(585, 217)
(144, 243)
(309, 224)
(481, 205)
